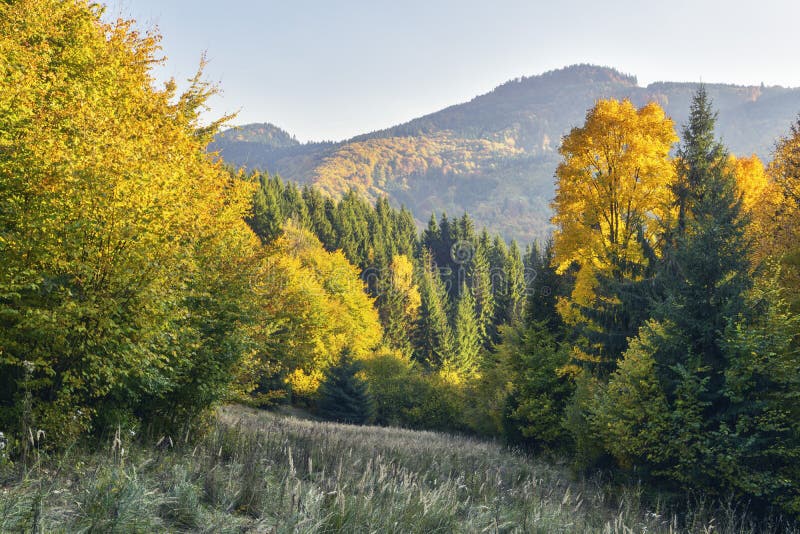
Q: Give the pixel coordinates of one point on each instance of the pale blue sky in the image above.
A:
(328, 70)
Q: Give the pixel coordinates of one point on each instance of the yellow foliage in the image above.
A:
(304, 384)
(613, 180)
(367, 165)
(751, 179)
(403, 281)
(115, 221)
(613, 183)
(320, 307)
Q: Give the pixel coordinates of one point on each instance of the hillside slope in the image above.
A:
(257, 472)
(495, 155)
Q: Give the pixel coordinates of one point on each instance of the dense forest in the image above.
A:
(144, 282)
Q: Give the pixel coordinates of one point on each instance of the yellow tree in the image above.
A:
(751, 180)
(123, 247)
(776, 216)
(612, 201)
(319, 306)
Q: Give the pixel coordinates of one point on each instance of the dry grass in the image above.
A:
(257, 472)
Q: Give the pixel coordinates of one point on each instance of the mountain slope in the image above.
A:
(495, 155)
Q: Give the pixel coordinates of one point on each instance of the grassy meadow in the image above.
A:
(260, 472)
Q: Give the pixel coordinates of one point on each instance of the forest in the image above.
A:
(654, 337)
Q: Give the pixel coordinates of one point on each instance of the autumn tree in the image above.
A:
(124, 250)
(318, 301)
(775, 227)
(612, 200)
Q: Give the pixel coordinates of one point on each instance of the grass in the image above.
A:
(258, 472)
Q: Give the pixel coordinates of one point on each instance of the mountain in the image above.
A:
(495, 155)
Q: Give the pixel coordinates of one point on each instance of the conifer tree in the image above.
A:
(319, 216)
(543, 289)
(343, 396)
(510, 278)
(533, 364)
(434, 342)
(293, 206)
(706, 268)
(267, 218)
(668, 408)
(480, 283)
(467, 338)
(398, 303)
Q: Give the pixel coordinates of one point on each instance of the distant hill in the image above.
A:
(495, 155)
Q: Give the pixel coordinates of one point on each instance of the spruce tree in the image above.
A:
(434, 342)
(294, 207)
(480, 283)
(343, 396)
(544, 285)
(668, 408)
(514, 284)
(467, 338)
(267, 216)
(318, 215)
(705, 273)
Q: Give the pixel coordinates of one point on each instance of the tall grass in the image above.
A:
(262, 473)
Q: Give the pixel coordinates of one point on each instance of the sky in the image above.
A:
(329, 70)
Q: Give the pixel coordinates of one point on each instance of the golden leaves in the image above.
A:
(612, 183)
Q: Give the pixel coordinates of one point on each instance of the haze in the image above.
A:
(328, 71)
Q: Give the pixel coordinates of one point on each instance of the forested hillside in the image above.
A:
(653, 342)
(494, 157)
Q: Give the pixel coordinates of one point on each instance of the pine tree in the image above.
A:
(532, 362)
(294, 207)
(398, 303)
(343, 396)
(668, 408)
(319, 216)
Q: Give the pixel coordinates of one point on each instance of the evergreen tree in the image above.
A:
(267, 217)
(319, 216)
(668, 408)
(434, 343)
(761, 429)
(543, 289)
(430, 236)
(343, 396)
(294, 207)
(398, 304)
(467, 337)
(534, 365)
(705, 274)
(498, 261)
(512, 281)
(480, 283)
(406, 232)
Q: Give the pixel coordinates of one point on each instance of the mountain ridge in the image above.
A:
(494, 155)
